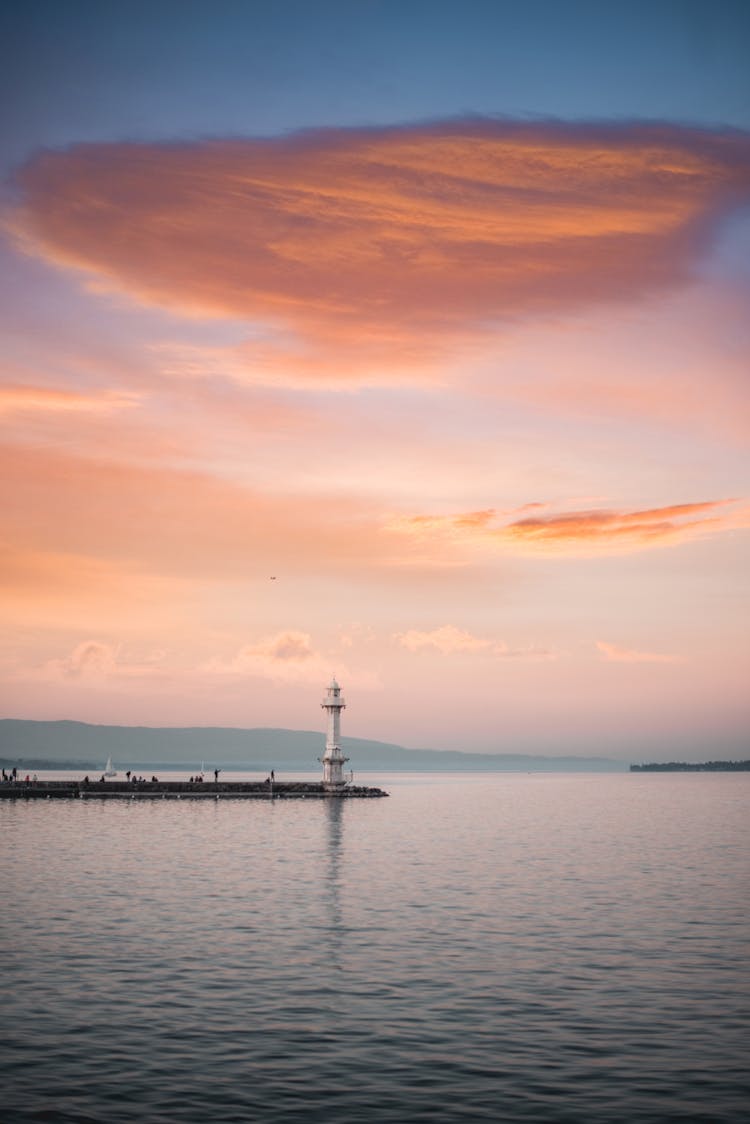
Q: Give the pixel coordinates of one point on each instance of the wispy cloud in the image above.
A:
(613, 653)
(181, 522)
(657, 526)
(449, 640)
(93, 664)
(24, 399)
(369, 245)
(581, 532)
(288, 656)
(90, 659)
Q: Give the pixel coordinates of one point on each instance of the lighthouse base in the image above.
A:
(333, 770)
(334, 786)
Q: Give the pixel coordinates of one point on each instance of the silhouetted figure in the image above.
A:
(216, 775)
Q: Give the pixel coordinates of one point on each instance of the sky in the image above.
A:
(401, 341)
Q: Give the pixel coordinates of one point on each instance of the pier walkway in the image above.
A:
(180, 790)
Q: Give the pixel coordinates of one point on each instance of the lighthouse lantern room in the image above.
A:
(333, 760)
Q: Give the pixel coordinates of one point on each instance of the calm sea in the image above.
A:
(496, 947)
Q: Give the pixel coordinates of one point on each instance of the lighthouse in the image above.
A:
(333, 760)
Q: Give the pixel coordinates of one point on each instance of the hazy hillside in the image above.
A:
(78, 743)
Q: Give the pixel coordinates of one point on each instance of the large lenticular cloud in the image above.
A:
(402, 231)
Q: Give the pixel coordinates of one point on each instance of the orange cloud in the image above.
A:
(23, 399)
(626, 529)
(614, 654)
(369, 243)
(582, 532)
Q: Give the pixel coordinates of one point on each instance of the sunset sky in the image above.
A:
(406, 341)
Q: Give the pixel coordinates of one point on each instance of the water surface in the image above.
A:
(495, 947)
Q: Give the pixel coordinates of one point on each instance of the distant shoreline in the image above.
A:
(30, 744)
(693, 767)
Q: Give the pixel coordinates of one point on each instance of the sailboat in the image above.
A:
(109, 770)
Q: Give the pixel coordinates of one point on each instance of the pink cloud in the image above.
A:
(92, 664)
(90, 659)
(615, 654)
(679, 362)
(24, 399)
(288, 656)
(449, 640)
(371, 245)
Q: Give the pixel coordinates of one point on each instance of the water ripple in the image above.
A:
(501, 948)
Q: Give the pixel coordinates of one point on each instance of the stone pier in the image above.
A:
(183, 790)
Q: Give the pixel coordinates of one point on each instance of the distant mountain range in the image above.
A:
(73, 744)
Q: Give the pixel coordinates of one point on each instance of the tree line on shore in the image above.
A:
(692, 767)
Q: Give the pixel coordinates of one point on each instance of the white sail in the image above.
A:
(109, 770)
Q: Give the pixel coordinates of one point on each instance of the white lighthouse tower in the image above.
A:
(333, 760)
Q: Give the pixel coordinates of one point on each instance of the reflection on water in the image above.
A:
(486, 948)
(335, 815)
